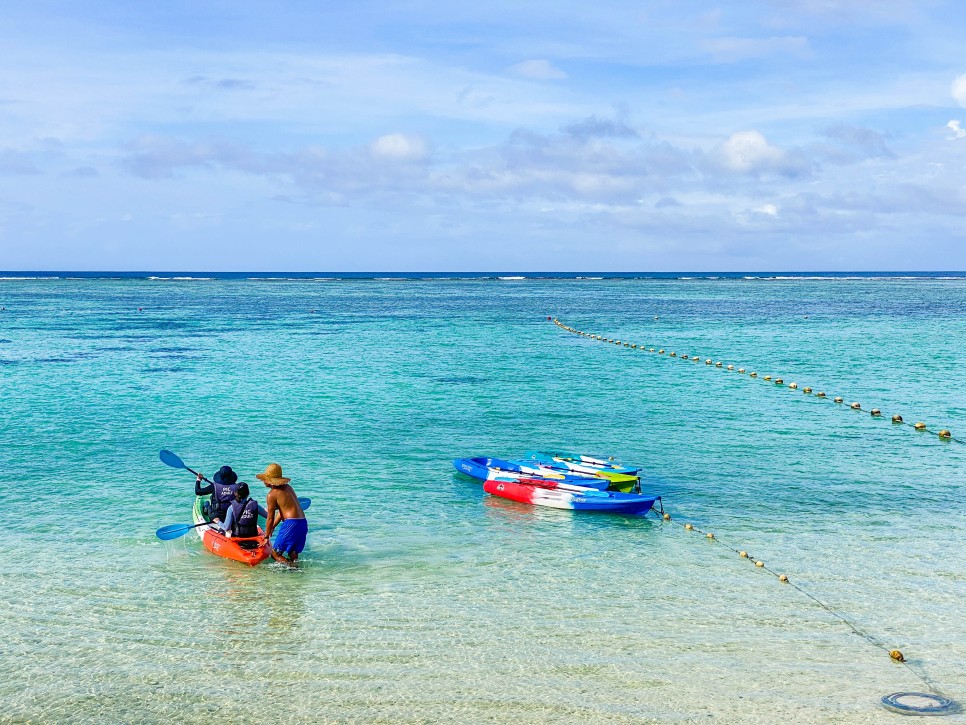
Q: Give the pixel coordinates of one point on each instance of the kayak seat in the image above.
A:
(247, 543)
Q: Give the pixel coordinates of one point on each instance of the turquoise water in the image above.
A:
(420, 599)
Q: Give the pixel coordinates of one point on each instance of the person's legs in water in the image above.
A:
(290, 540)
(278, 557)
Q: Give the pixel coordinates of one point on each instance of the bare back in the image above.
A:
(284, 500)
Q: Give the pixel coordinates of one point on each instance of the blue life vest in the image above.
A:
(244, 522)
(221, 499)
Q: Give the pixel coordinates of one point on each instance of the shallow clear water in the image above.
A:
(421, 599)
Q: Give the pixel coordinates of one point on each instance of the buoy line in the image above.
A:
(909, 703)
(943, 434)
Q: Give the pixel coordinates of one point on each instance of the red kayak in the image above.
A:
(251, 551)
(543, 492)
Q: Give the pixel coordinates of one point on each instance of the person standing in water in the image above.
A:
(283, 505)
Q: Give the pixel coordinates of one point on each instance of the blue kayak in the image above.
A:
(489, 468)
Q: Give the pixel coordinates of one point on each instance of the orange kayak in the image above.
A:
(251, 551)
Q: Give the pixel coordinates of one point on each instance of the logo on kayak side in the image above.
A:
(500, 487)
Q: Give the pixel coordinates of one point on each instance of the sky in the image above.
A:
(233, 135)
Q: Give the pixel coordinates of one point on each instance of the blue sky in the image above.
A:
(645, 136)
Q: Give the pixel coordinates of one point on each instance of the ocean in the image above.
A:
(421, 599)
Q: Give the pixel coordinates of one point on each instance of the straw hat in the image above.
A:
(273, 475)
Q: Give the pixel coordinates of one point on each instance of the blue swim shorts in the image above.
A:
(290, 536)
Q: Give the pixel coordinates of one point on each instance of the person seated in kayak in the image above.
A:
(222, 490)
(284, 509)
(242, 517)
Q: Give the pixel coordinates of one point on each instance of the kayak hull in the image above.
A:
(487, 468)
(232, 548)
(536, 495)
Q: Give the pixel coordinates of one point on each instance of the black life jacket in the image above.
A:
(221, 499)
(244, 521)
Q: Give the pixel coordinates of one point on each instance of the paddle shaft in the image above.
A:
(203, 478)
(203, 523)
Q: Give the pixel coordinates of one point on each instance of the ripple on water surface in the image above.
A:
(420, 598)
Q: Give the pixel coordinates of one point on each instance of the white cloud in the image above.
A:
(399, 147)
(541, 70)
(748, 152)
(958, 90)
(958, 131)
(769, 209)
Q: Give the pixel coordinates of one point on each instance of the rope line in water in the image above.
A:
(894, 654)
(944, 434)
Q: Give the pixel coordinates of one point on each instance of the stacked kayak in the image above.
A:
(580, 463)
(578, 483)
(487, 468)
(251, 551)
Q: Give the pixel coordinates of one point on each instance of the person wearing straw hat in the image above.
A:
(283, 508)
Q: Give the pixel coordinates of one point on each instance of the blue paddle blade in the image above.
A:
(173, 531)
(170, 459)
(304, 502)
